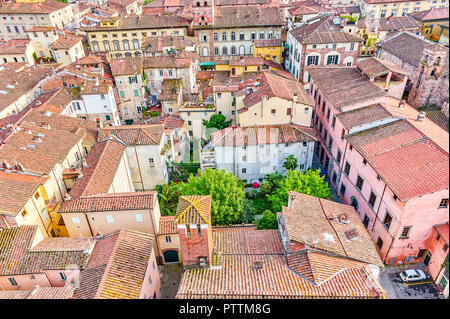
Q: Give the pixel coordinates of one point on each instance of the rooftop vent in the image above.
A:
(37, 139)
(28, 131)
(343, 218)
(421, 116)
(47, 113)
(351, 234)
(31, 146)
(257, 265)
(328, 237)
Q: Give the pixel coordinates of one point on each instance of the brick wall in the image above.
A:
(194, 246)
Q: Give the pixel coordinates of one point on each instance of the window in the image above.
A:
(224, 51)
(313, 60)
(75, 220)
(334, 46)
(333, 59)
(289, 111)
(216, 37)
(24, 213)
(387, 220)
(262, 35)
(372, 199)
(161, 73)
(334, 178)
(338, 157)
(333, 122)
(443, 203)
(139, 218)
(330, 143)
(343, 189)
(126, 45)
(216, 51)
(62, 276)
(102, 96)
(36, 195)
(253, 35)
(152, 162)
(445, 247)
(379, 243)
(273, 112)
(405, 232)
(224, 36)
(241, 36)
(108, 117)
(347, 168)
(244, 170)
(352, 46)
(168, 239)
(244, 158)
(359, 183)
(109, 219)
(328, 113)
(233, 36)
(12, 281)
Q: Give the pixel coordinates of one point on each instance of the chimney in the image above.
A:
(294, 97)
(401, 105)
(421, 116)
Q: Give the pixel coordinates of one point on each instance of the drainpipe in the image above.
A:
(89, 225)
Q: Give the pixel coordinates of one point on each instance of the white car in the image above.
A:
(412, 275)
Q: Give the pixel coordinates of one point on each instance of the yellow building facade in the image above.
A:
(374, 9)
(268, 49)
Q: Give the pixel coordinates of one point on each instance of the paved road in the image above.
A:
(396, 289)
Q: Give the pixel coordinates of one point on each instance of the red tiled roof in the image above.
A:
(102, 164)
(117, 266)
(344, 86)
(443, 231)
(39, 293)
(135, 134)
(110, 202)
(432, 14)
(373, 67)
(246, 240)
(364, 115)
(258, 135)
(48, 6)
(194, 210)
(402, 23)
(14, 46)
(402, 155)
(167, 225)
(14, 244)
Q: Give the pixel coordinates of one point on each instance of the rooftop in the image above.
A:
(126, 66)
(373, 67)
(194, 210)
(364, 115)
(144, 22)
(14, 46)
(316, 222)
(117, 266)
(392, 24)
(41, 7)
(430, 15)
(399, 153)
(344, 86)
(247, 16)
(110, 202)
(145, 134)
(39, 293)
(323, 31)
(102, 163)
(443, 231)
(259, 135)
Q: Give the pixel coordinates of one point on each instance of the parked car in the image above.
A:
(412, 275)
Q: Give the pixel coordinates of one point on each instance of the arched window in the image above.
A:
(118, 55)
(204, 51)
(106, 45)
(332, 58)
(116, 45)
(262, 35)
(136, 44)
(137, 53)
(224, 51)
(206, 3)
(224, 36)
(348, 61)
(216, 51)
(270, 34)
(128, 55)
(95, 45)
(204, 37)
(126, 45)
(198, 3)
(253, 36)
(313, 59)
(36, 94)
(233, 50)
(241, 50)
(233, 36)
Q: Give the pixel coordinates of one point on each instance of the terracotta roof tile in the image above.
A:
(247, 16)
(117, 266)
(41, 7)
(135, 134)
(258, 135)
(364, 115)
(432, 14)
(344, 86)
(400, 153)
(126, 66)
(102, 164)
(443, 231)
(52, 293)
(373, 67)
(14, 244)
(402, 23)
(194, 210)
(14, 46)
(109, 202)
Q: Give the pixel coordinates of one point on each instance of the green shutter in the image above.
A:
(129, 79)
(122, 94)
(136, 92)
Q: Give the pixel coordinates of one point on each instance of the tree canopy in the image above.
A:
(168, 196)
(309, 183)
(217, 121)
(268, 220)
(290, 162)
(226, 190)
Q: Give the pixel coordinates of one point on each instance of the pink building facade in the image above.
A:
(437, 252)
(371, 156)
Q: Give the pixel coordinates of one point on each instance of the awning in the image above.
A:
(286, 45)
(207, 64)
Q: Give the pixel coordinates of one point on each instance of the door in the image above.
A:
(426, 261)
(170, 256)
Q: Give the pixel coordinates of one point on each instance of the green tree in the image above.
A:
(267, 221)
(226, 190)
(168, 196)
(270, 183)
(290, 162)
(147, 2)
(309, 183)
(217, 121)
(65, 1)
